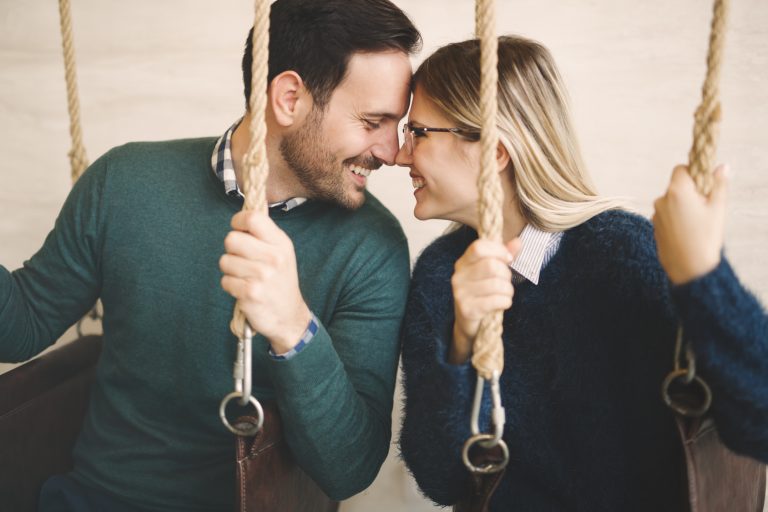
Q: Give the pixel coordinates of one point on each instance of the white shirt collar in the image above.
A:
(537, 249)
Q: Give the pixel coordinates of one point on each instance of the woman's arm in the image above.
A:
(726, 325)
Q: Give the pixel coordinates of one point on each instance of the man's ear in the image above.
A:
(502, 157)
(288, 98)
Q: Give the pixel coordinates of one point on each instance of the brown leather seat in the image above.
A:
(42, 405)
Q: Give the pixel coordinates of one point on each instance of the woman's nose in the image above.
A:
(403, 157)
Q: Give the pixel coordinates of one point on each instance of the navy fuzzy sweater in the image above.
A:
(585, 353)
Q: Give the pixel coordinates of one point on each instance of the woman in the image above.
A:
(590, 336)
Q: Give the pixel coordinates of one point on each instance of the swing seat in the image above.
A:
(42, 406)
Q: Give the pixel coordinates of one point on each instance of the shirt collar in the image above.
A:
(537, 249)
(223, 167)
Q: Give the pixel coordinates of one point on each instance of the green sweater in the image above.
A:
(143, 229)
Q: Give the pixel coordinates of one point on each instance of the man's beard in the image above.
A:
(316, 167)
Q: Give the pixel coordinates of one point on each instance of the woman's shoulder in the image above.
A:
(614, 235)
(437, 260)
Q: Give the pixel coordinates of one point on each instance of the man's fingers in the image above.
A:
(258, 224)
(237, 266)
(248, 246)
(233, 286)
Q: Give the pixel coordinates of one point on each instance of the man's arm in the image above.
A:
(335, 395)
(58, 285)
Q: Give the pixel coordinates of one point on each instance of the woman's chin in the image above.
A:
(420, 214)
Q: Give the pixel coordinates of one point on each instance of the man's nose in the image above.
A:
(387, 148)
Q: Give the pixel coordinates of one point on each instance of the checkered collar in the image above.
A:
(223, 167)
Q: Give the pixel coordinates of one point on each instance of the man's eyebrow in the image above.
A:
(383, 115)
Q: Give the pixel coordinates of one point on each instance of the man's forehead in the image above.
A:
(379, 84)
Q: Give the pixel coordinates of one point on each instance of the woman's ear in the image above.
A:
(288, 98)
(502, 157)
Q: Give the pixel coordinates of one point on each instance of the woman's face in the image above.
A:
(444, 167)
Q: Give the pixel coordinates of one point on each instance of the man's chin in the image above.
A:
(353, 201)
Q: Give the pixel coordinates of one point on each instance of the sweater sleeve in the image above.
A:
(438, 395)
(335, 396)
(726, 326)
(728, 329)
(58, 285)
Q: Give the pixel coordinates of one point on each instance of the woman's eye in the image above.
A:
(419, 133)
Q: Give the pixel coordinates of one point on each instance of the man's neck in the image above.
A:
(281, 182)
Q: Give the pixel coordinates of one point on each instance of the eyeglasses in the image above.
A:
(411, 132)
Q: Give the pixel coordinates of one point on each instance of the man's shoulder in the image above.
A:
(374, 211)
(372, 222)
(148, 152)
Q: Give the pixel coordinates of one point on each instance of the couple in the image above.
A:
(324, 280)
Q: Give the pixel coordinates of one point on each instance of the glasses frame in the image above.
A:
(409, 129)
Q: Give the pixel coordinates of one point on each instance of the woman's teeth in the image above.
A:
(418, 183)
(360, 171)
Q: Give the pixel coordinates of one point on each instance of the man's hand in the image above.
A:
(260, 272)
(689, 227)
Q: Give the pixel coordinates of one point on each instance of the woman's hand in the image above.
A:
(689, 227)
(482, 284)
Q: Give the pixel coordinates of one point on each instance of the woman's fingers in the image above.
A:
(482, 249)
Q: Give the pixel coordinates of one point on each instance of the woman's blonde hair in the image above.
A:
(553, 188)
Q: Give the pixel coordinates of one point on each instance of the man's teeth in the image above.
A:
(418, 182)
(360, 171)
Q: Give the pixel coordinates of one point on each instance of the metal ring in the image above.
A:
(493, 467)
(683, 408)
(242, 429)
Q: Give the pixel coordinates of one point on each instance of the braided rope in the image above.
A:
(488, 351)
(707, 117)
(78, 160)
(255, 164)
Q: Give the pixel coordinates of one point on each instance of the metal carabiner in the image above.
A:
(487, 441)
(243, 365)
(690, 369)
(243, 374)
(685, 399)
(498, 415)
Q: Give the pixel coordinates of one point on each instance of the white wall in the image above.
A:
(170, 69)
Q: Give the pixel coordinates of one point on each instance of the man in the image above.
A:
(322, 278)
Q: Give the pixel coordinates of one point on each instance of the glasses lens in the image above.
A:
(408, 136)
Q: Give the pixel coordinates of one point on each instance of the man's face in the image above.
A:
(335, 149)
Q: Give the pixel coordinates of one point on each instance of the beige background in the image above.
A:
(154, 70)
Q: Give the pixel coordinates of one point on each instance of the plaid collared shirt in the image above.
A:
(538, 247)
(221, 161)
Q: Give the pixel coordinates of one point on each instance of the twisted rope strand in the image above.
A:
(78, 160)
(708, 114)
(255, 164)
(488, 351)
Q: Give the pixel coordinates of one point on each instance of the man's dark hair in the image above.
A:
(316, 39)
